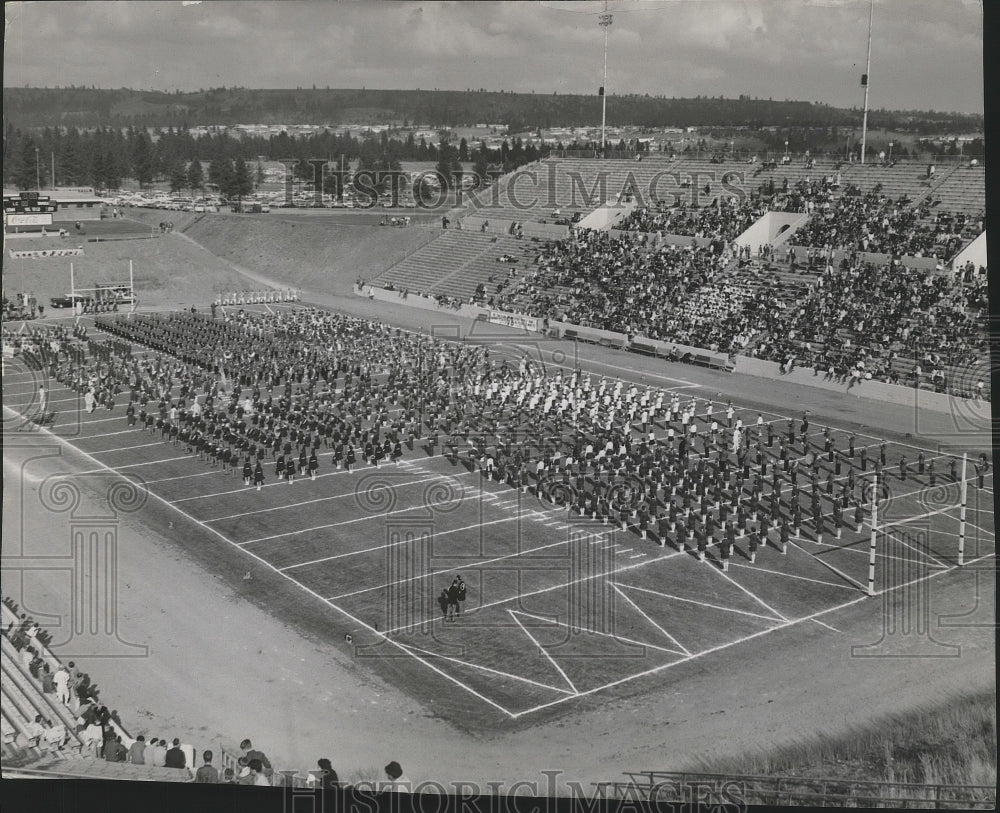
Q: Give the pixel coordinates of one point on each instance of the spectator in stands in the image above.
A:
(207, 774)
(228, 777)
(48, 681)
(397, 780)
(327, 778)
(157, 752)
(114, 751)
(244, 776)
(250, 753)
(257, 772)
(34, 730)
(175, 756)
(93, 738)
(137, 751)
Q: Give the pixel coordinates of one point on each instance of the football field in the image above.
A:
(560, 605)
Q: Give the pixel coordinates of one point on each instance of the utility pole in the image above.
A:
(864, 81)
(605, 22)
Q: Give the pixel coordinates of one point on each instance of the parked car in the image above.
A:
(67, 300)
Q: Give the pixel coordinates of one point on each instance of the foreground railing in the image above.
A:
(724, 789)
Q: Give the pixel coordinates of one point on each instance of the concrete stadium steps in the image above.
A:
(536, 199)
(962, 190)
(484, 265)
(446, 254)
(92, 768)
(901, 179)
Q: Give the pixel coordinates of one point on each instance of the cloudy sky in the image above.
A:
(927, 54)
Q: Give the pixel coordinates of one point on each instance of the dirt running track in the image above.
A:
(219, 667)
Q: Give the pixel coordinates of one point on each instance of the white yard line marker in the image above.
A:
(541, 649)
(267, 565)
(683, 650)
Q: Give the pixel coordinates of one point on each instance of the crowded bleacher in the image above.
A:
(54, 723)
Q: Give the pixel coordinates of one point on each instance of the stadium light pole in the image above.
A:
(864, 80)
(604, 21)
(38, 171)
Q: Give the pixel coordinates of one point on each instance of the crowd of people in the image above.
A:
(850, 318)
(863, 321)
(289, 388)
(104, 737)
(723, 219)
(873, 222)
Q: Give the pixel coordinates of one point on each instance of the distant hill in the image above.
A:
(27, 108)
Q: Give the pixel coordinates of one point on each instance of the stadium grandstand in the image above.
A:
(875, 279)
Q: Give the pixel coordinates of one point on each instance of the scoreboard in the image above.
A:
(28, 203)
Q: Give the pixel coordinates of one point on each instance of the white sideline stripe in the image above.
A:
(793, 576)
(330, 498)
(824, 624)
(702, 603)
(683, 649)
(544, 652)
(486, 669)
(611, 635)
(391, 544)
(637, 556)
(311, 592)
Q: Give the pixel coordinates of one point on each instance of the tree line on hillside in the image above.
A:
(93, 107)
(104, 157)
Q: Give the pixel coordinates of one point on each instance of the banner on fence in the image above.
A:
(46, 252)
(514, 320)
(28, 220)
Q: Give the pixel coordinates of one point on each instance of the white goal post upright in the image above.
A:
(961, 511)
(874, 537)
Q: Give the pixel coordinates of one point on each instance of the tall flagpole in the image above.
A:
(605, 22)
(868, 68)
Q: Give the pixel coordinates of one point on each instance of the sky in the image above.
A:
(926, 54)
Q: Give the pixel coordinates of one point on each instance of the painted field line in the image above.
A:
(700, 654)
(130, 448)
(612, 635)
(391, 545)
(348, 521)
(267, 565)
(486, 669)
(917, 550)
(110, 434)
(827, 565)
(315, 500)
(824, 624)
(301, 478)
(638, 556)
(682, 650)
(544, 652)
(793, 576)
(703, 603)
(777, 616)
(470, 565)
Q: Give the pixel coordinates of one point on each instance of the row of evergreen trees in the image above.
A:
(104, 157)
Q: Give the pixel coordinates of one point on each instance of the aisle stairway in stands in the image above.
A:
(456, 262)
